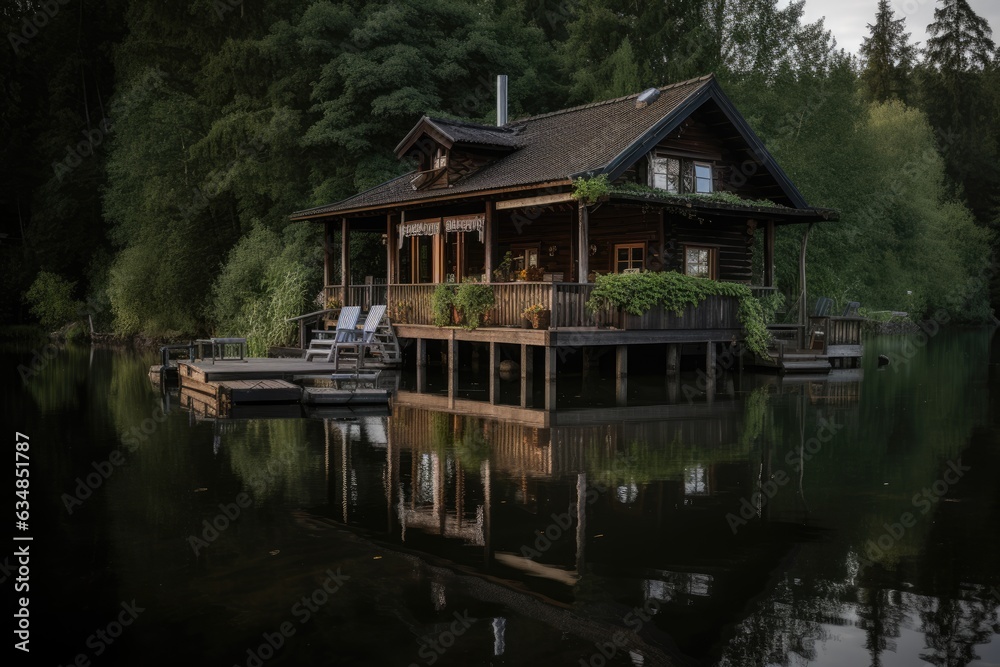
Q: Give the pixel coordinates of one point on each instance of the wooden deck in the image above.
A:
(223, 388)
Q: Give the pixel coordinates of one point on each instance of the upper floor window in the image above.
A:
(440, 159)
(702, 177)
(665, 174)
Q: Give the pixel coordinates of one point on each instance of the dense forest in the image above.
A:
(153, 151)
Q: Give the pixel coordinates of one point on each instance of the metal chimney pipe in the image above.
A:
(501, 100)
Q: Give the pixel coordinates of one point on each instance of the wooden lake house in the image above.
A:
(693, 190)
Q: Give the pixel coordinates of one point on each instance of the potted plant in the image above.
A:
(442, 305)
(474, 300)
(539, 315)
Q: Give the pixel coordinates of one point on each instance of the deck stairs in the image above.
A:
(803, 361)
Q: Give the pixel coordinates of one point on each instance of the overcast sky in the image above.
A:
(849, 19)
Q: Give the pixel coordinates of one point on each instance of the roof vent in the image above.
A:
(647, 97)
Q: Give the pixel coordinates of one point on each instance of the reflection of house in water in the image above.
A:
(633, 500)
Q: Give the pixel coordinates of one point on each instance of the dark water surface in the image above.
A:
(847, 521)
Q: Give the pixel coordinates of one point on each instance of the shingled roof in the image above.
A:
(603, 137)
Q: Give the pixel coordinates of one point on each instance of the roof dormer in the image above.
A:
(447, 151)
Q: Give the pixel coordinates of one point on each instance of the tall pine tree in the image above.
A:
(888, 56)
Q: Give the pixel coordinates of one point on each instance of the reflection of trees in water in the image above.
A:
(953, 628)
(787, 624)
(882, 613)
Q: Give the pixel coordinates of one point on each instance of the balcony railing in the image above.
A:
(411, 304)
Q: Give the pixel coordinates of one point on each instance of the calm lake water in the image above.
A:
(841, 522)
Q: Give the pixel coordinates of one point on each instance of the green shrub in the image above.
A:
(442, 301)
(474, 300)
(637, 293)
(590, 190)
(51, 299)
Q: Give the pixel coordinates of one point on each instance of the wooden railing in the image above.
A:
(833, 331)
(365, 296)
(411, 304)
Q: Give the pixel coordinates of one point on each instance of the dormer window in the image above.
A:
(440, 158)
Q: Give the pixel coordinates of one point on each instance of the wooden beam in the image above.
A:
(421, 365)
(489, 239)
(673, 359)
(583, 243)
(494, 373)
(710, 371)
(541, 200)
(769, 254)
(527, 375)
(391, 252)
(621, 376)
(550, 377)
(452, 370)
(803, 298)
(345, 260)
(327, 254)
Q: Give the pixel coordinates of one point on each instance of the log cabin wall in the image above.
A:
(733, 241)
(610, 226)
(541, 227)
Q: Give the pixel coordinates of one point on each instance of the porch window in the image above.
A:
(630, 257)
(700, 262)
(702, 177)
(665, 174)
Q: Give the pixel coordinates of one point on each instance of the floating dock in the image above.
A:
(227, 388)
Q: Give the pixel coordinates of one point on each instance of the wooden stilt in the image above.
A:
(494, 373)
(421, 365)
(710, 371)
(452, 370)
(673, 359)
(621, 375)
(527, 375)
(550, 377)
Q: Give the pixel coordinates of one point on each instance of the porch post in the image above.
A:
(527, 373)
(390, 249)
(489, 240)
(345, 261)
(769, 254)
(583, 243)
(327, 256)
(803, 299)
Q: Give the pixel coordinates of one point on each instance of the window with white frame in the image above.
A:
(699, 261)
(702, 177)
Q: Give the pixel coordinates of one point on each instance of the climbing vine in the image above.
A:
(589, 190)
(637, 293)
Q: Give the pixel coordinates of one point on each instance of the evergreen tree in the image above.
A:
(888, 56)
